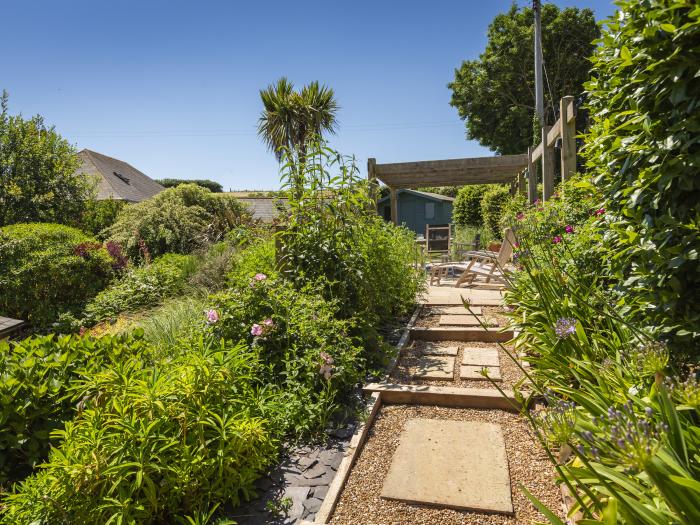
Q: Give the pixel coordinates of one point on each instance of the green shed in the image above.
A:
(416, 209)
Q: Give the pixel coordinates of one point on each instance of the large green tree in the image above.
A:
(38, 182)
(495, 94)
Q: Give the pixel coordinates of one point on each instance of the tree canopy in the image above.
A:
(38, 182)
(495, 94)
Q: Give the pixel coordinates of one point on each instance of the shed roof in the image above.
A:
(263, 208)
(425, 194)
(117, 179)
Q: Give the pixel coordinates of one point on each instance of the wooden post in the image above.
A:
(568, 138)
(531, 177)
(547, 166)
(393, 197)
(372, 178)
(522, 183)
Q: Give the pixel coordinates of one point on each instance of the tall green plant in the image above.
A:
(644, 148)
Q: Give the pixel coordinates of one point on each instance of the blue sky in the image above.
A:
(172, 86)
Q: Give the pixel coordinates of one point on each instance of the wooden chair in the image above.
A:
(488, 264)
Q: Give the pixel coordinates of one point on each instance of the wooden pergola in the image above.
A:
(455, 172)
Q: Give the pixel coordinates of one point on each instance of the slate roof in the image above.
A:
(117, 179)
(263, 208)
(426, 194)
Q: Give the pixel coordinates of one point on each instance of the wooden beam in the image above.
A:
(547, 166)
(554, 133)
(537, 152)
(531, 178)
(568, 138)
(522, 183)
(433, 166)
(393, 197)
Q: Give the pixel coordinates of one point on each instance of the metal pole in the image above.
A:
(539, 88)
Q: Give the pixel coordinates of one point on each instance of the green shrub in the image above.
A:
(258, 257)
(211, 185)
(291, 330)
(492, 204)
(334, 236)
(643, 151)
(35, 377)
(154, 445)
(466, 209)
(47, 269)
(39, 181)
(177, 220)
(99, 215)
(142, 287)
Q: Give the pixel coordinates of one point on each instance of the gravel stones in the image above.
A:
(360, 501)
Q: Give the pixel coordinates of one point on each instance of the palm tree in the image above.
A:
(291, 118)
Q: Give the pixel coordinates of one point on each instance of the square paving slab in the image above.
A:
(460, 320)
(480, 356)
(435, 367)
(431, 349)
(461, 310)
(474, 372)
(455, 464)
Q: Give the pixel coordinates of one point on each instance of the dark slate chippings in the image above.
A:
(304, 475)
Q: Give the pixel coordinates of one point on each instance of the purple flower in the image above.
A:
(556, 239)
(256, 330)
(600, 211)
(212, 316)
(564, 327)
(569, 229)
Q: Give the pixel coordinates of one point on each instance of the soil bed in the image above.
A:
(361, 502)
(406, 366)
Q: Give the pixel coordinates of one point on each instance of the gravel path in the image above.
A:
(360, 502)
(403, 373)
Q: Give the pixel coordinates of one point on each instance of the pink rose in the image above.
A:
(256, 330)
(260, 277)
(268, 322)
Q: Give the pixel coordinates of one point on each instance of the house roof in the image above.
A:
(263, 208)
(425, 194)
(116, 179)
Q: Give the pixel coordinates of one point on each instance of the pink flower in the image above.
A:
(327, 359)
(537, 201)
(268, 322)
(326, 371)
(601, 211)
(212, 316)
(520, 216)
(260, 277)
(256, 330)
(556, 239)
(569, 229)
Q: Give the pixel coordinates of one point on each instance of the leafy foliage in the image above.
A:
(48, 269)
(291, 119)
(333, 234)
(211, 185)
(39, 371)
(178, 220)
(466, 209)
(142, 287)
(495, 94)
(38, 182)
(154, 445)
(493, 203)
(643, 150)
(99, 215)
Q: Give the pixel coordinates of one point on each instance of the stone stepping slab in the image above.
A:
(441, 333)
(461, 310)
(474, 372)
(461, 320)
(455, 464)
(435, 367)
(440, 350)
(480, 356)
